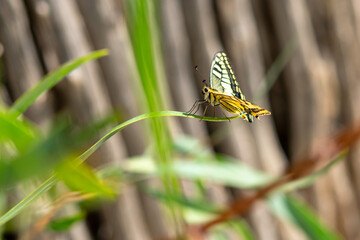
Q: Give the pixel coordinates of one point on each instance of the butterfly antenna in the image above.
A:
(197, 70)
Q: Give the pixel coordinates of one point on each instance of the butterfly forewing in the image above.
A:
(222, 78)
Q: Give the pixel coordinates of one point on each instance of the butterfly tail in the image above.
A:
(249, 118)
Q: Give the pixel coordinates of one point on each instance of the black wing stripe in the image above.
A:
(223, 76)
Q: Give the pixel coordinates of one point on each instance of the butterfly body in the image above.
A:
(225, 91)
(233, 104)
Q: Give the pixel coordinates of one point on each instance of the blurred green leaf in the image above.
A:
(185, 144)
(310, 179)
(184, 202)
(198, 212)
(226, 230)
(65, 223)
(110, 170)
(242, 228)
(44, 155)
(216, 168)
(41, 156)
(218, 235)
(50, 80)
(81, 177)
(220, 169)
(229, 173)
(194, 211)
(291, 209)
(16, 131)
(49, 183)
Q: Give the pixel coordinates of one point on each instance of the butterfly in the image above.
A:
(225, 91)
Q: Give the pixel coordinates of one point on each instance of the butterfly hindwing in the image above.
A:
(242, 107)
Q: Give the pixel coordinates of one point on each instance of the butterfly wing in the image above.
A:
(240, 106)
(223, 80)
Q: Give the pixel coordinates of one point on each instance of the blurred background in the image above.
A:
(299, 59)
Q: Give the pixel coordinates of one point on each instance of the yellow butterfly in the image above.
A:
(224, 91)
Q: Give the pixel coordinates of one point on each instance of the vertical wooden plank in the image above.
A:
(21, 62)
(60, 29)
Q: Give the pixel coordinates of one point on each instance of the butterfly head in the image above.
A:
(206, 91)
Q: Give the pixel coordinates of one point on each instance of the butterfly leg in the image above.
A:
(204, 112)
(200, 103)
(193, 107)
(222, 110)
(196, 106)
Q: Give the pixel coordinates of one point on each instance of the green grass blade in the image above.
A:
(50, 80)
(81, 177)
(144, 116)
(53, 180)
(144, 34)
(292, 209)
(43, 188)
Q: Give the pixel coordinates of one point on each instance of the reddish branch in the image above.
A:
(331, 148)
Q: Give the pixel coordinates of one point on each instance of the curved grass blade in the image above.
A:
(118, 128)
(49, 183)
(43, 188)
(29, 97)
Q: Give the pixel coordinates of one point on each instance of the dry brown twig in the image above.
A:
(330, 149)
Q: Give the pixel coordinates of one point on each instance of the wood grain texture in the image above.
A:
(21, 61)
(317, 93)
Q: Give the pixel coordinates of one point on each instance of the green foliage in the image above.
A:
(65, 223)
(225, 171)
(292, 209)
(33, 157)
(80, 177)
(53, 180)
(143, 34)
(15, 131)
(25, 152)
(243, 229)
(25, 202)
(51, 80)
